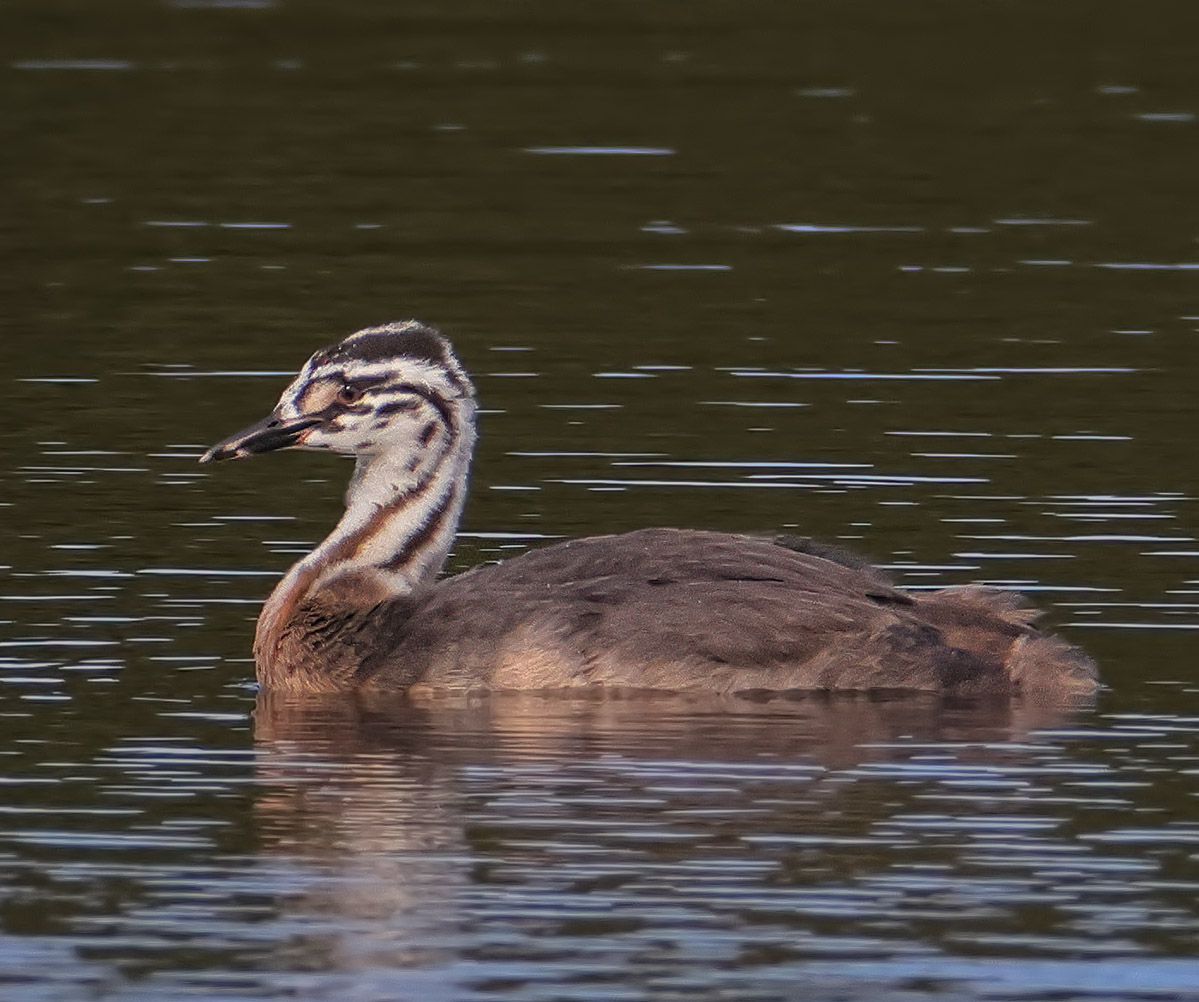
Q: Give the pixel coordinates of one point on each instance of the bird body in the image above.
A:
(673, 609)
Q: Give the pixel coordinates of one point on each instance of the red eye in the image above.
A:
(349, 394)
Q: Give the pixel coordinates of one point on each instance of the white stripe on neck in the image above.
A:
(392, 511)
(411, 544)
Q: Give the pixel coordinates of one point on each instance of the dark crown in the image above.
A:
(407, 339)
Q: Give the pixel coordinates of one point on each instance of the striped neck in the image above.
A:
(401, 516)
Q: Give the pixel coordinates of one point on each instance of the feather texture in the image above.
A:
(670, 609)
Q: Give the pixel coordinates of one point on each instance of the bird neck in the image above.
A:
(400, 520)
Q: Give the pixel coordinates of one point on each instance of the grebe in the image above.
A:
(672, 609)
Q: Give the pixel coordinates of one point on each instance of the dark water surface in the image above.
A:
(921, 277)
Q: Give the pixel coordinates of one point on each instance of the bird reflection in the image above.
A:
(368, 772)
(419, 838)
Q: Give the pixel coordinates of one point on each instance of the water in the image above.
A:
(914, 277)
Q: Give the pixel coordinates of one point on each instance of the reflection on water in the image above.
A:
(551, 847)
(856, 273)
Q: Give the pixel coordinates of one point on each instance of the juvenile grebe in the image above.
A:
(673, 609)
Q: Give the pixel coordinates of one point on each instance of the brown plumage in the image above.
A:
(656, 609)
(674, 609)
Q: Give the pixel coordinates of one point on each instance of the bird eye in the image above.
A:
(349, 394)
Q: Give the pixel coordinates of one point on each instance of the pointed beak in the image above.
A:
(269, 434)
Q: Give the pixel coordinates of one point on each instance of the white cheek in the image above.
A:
(393, 439)
(397, 429)
(331, 438)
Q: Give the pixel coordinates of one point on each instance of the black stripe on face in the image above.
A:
(323, 394)
(396, 406)
(361, 383)
(364, 384)
(427, 433)
(431, 397)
